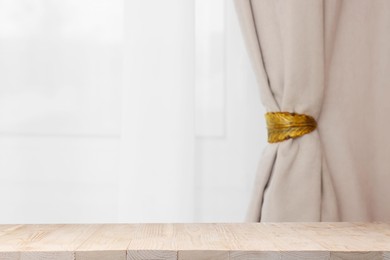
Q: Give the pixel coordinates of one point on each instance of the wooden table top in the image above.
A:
(196, 241)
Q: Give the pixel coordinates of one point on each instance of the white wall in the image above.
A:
(100, 114)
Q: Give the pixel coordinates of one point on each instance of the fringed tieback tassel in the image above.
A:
(284, 125)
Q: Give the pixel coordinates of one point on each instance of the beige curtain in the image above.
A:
(329, 59)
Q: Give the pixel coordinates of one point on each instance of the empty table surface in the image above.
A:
(338, 240)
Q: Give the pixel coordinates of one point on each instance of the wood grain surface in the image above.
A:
(238, 241)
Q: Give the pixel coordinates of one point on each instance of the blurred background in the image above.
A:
(126, 111)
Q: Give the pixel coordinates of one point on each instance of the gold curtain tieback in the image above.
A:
(284, 125)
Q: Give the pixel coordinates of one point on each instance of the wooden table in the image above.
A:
(196, 241)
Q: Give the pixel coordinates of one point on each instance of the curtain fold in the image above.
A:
(322, 58)
(286, 42)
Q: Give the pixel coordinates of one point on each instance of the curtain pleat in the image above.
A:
(329, 59)
(285, 40)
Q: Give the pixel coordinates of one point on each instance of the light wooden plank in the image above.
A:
(110, 237)
(113, 239)
(297, 255)
(200, 237)
(196, 241)
(246, 236)
(36, 255)
(356, 256)
(23, 235)
(203, 255)
(286, 239)
(47, 255)
(6, 229)
(264, 237)
(55, 238)
(9, 255)
(151, 254)
(153, 236)
(341, 236)
(101, 255)
(254, 255)
(307, 255)
(63, 238)
(152, 240)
